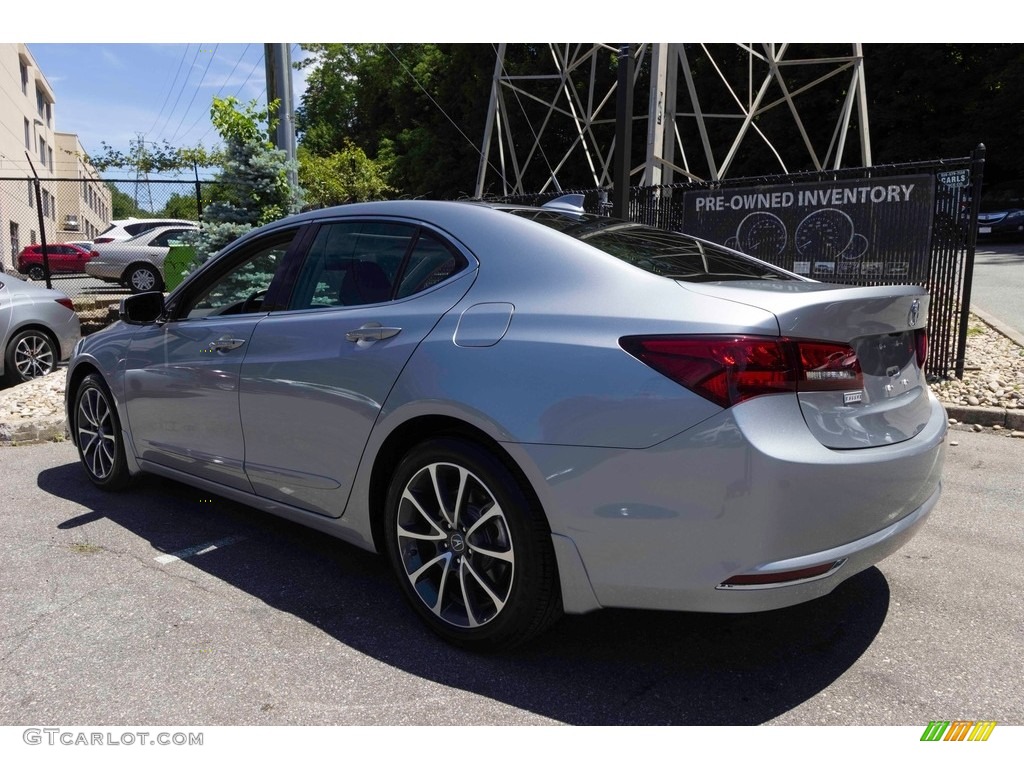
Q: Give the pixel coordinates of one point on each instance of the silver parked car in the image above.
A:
(530, 410)
(38, 329)
(137, 263)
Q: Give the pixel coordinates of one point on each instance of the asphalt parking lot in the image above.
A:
(164, 605)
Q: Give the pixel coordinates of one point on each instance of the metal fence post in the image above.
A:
(42, 223)
(977, 170)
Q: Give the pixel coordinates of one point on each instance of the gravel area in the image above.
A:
(993, 379)
(993, 371)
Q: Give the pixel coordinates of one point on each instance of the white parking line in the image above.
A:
(199, 549)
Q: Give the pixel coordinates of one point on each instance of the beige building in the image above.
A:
(83, 200)
(74, 209)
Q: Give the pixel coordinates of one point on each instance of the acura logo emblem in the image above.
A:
(915, 313)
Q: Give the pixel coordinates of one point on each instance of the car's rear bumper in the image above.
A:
(748, 491)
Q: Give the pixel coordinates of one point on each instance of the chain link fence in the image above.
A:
(902, 223)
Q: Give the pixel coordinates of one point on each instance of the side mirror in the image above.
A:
(142, 308)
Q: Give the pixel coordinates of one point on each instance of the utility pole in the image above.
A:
(278, 60)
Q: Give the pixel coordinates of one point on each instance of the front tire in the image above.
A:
(98, 435)
(36, 272)
(470, 547)
(29, 355)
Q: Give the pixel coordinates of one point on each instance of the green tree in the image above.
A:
(123, 205)
(252, 184)
(345, 176)
(180, 207)
(145, 157)
(418, 110)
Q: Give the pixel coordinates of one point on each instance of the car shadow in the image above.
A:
(611, 667)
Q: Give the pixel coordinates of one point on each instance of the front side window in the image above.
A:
(241, 289)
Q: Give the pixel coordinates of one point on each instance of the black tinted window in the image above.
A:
(668, 254)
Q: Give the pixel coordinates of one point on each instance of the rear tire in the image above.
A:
(470, 547)
(141, 278)
(97, 434)
(29, 355)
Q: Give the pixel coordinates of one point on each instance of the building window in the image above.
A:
(28, 135)
(31, 197)
(24, 76)
(49, 115)
(40, 102)
(42, 151)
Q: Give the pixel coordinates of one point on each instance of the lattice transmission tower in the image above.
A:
(712, 110)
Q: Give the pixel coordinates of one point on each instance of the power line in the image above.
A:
(196, 92)
(221, 89)
(181, 61)
(244, 83)
(182, 90)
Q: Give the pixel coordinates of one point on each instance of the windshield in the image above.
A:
(669, 254)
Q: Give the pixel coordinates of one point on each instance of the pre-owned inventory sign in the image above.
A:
(866, 228)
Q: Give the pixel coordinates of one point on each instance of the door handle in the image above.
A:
(372, 333)
(226, 344)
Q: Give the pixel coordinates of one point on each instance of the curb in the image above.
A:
(1006, 418)
(999, 326)
(29, 432)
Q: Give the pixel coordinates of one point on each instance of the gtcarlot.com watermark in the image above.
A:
(70, 737)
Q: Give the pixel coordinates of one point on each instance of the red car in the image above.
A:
(63, 257)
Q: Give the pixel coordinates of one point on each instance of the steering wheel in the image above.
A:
(253, 303)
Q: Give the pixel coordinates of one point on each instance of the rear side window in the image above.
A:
(353, 263)
(669, 254)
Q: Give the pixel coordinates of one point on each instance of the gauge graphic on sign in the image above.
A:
(824, 234)
(762, 234)
(858, 247)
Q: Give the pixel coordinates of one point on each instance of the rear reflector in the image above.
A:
(780, 578)
(730, 369)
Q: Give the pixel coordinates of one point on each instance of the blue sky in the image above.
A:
(111, 92)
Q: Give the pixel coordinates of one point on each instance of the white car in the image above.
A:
(125, 229)
(137, 264)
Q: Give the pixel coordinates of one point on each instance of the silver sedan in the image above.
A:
(137, 263)
(530, 411)
(38, 329)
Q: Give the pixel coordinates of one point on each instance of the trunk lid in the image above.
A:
(881, 324)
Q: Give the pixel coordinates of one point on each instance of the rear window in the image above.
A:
(668, 254)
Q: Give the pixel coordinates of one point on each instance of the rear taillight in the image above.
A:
(93, 254)
(921, 343)
(66, 302)
(103, 240)
(730, 369)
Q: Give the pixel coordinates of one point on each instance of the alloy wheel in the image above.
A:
(34, 356)
(455, 545)
(97, 433)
